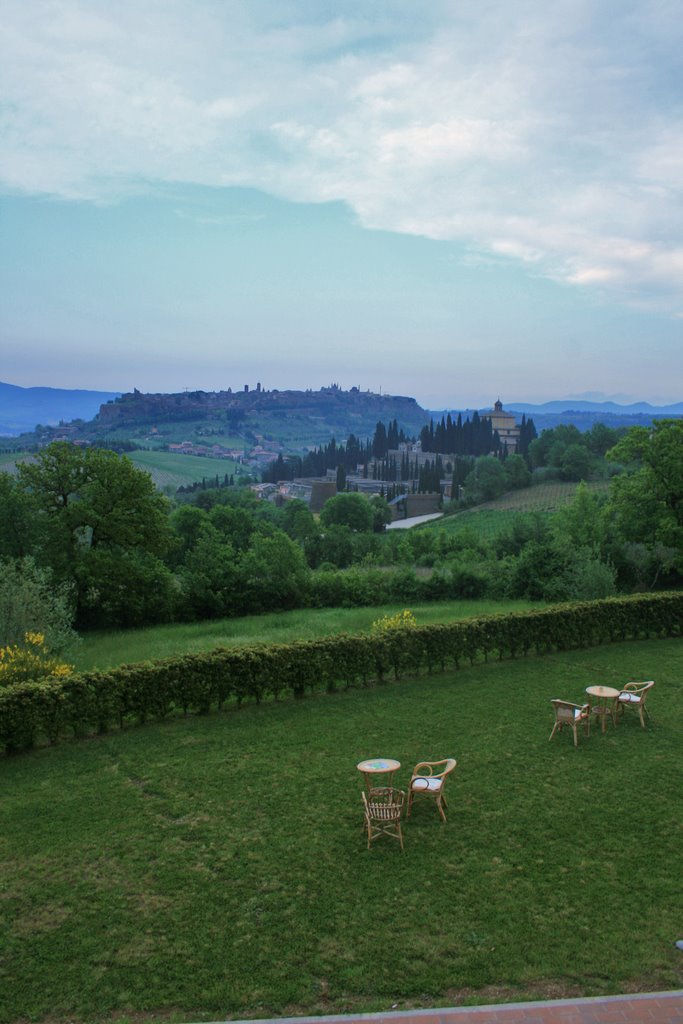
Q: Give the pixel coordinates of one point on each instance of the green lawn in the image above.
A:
(106, 650)
(206, 868)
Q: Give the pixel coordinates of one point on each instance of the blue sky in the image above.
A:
(453, 200)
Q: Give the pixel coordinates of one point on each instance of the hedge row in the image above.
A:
(197, 683)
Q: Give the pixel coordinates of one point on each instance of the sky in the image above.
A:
(456, 200)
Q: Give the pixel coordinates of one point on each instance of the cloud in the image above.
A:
(549, 135)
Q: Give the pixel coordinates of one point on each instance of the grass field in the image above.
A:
(170, 470)
(105, 650)
(215, 867)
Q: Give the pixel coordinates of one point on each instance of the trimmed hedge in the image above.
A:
(79, 705)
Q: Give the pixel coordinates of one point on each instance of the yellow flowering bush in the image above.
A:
(30, 662)
(389, 623)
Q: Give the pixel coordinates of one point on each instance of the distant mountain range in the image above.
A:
(574, 405)
(336, 411)
(21, 409)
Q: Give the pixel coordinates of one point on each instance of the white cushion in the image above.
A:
(432, 785)
(629, 698)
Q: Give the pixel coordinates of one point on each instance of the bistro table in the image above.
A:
(378, 766)
(607, 703)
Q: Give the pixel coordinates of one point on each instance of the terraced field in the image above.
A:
(493, 517)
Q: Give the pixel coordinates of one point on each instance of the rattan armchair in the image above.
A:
(383, 808)
(572, 715)
(634, 695)
(430, 777)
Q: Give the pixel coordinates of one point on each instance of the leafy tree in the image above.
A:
(297, 520)
(583, 522)
(103, 519)
(381, 513)
(516, 472)
(210, 578)
(123, 588)
(352, 510)
(20, 532)
(647, 502)
(336, 546)
(575, 462)
(487, 480)
(273, 573)
(30, 602)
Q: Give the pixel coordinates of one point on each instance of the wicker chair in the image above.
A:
(572, 715)
(634, 695)
(427, 778)
(383, 808)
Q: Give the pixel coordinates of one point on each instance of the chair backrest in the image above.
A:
(564, 710)
(384, 803)
(426, 769)
(639, 689)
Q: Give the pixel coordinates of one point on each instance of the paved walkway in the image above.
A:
(648, 1008)
(405, 524)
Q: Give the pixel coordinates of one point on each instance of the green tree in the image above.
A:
(487, 480)
(273, 574)
(101, 513)
(381, 513)
(516, 472)
(210, 578)
(20, 532)
(352, 510)
(30, 602)
(657, 454)
(575, 462)
(298, 521)
(583, 522)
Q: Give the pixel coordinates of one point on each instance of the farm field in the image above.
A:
(213, 867)
(9, 460)
(170, 470)
(106, 650)
(492, 517)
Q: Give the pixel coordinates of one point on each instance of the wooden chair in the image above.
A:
(426, 779)
(572, 715)
(383, 808)
(634, 695)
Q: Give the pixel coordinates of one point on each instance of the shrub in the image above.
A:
(389, 623)
(198, 683)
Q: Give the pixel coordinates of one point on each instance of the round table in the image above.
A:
(378, 766)
(607, 696)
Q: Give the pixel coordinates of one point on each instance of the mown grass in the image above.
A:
(215, 867)
(106, 650)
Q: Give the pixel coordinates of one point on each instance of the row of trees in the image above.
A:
(468, 439)
(471, 437)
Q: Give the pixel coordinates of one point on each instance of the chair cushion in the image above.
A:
(579, 712)
(431, 785)
(629, 698)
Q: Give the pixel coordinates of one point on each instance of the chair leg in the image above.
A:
(554, 731)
